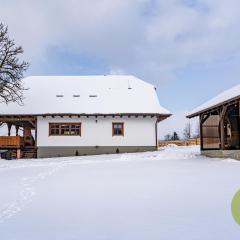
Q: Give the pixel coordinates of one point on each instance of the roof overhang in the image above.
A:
(215, 107)
(20, 117)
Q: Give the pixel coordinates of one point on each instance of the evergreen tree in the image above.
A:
(175, 136)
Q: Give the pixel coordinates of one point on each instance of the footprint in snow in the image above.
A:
(26, 194)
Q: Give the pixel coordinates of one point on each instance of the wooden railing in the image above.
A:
(11, 141)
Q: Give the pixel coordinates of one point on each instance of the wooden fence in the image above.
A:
(195, 141)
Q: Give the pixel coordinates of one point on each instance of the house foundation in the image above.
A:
(48, 152)
(234, 154)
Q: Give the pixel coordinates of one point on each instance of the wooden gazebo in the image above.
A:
(220, 124)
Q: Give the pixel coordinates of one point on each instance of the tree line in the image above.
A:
(187, 133)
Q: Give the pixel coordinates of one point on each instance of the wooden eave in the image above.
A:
(215, 107)
(19, 120)
(28, 117)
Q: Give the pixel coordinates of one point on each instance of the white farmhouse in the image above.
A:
(81, 115)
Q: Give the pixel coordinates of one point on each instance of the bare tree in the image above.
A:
(11, 68)
(187, 131)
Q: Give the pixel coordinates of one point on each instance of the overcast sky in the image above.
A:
(188, 49)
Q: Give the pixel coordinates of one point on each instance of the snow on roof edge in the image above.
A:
(216, 101)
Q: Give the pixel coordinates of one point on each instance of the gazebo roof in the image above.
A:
(221, 99)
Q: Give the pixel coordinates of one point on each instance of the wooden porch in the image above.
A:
(23, 143)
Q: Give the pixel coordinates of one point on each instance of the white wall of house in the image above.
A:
(137, 132)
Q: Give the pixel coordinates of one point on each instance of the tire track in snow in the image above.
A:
(26, 194)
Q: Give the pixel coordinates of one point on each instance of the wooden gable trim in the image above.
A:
(70, 115)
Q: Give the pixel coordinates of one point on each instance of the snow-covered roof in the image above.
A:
(220, 99)
(110, 94)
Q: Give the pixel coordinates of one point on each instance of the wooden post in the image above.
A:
(222, 131)
(9, 128)
(201, 131)
(18, 153)
(17, 128)
(239, 123)
(222, 134)
(203, 118)
(156, 134)
(36, 133)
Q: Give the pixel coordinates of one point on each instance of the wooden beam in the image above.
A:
(222, 131)
(204, 117)
(13, 119)
(33, 123)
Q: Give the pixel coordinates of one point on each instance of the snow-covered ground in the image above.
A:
(171, 194)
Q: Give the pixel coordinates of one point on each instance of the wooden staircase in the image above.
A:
(26, 152)
(29, 152)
